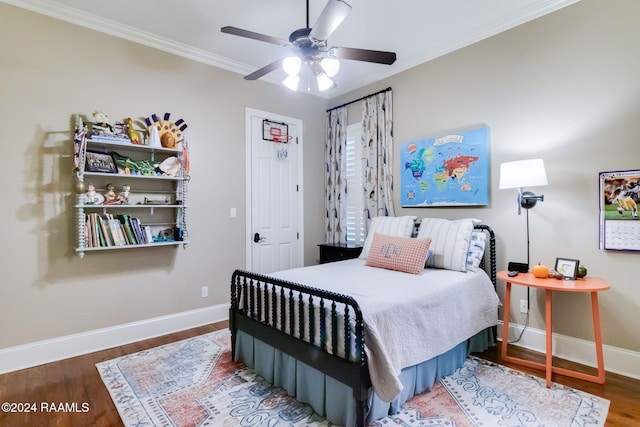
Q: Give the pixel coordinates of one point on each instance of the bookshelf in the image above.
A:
(128, 195)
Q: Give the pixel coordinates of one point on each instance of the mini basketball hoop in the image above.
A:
(278, 136)
(275, 131)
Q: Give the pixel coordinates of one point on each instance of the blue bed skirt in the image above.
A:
(334, 400)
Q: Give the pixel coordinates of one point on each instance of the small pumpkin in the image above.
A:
(540, 271)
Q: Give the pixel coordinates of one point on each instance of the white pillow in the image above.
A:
(476, 250)
(449, 241)
(399, 226)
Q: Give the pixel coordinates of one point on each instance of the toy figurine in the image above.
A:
(110, 196)
(124, 194)
(133, 135)
(92, 197)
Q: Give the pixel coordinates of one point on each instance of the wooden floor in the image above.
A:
(77, 381)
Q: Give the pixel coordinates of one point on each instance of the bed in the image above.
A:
(335, 335)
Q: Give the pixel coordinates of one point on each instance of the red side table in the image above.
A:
(587, 284)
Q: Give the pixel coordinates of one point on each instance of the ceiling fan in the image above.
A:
(309, 47)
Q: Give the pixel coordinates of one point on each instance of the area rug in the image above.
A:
(195, 383)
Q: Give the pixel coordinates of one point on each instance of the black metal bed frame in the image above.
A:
(270, 309)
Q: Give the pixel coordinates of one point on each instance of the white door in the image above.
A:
(274, 192)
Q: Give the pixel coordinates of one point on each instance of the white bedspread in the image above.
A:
(408, 318)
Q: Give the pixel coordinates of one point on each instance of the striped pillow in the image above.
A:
(404, 254)
(401, 226)
(450, 241)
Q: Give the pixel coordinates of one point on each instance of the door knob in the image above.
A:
(258, 239)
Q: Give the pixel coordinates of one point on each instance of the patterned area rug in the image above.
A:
(195, 383)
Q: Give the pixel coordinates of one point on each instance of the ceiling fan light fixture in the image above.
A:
(324, 82)
(331, 66)
(309, 45)
(291, 65)
(291, 82)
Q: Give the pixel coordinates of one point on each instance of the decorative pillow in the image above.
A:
(476, 250)
(449, 241)
(405, 254)
(401, 226)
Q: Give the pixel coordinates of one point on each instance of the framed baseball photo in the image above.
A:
(101, 162)
(567, 267)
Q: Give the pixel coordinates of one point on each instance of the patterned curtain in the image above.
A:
(335, 186)
(377, 149)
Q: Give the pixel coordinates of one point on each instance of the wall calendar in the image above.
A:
(619, 200)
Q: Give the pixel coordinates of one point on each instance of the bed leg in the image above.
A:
(232, 329)
(360, 410)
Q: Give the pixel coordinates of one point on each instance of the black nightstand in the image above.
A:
(330, 252)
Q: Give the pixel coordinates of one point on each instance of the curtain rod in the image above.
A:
(360, 99)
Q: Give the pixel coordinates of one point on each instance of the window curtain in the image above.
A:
(335, 186)
(377, 149)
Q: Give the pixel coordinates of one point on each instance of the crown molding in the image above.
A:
(107, 26)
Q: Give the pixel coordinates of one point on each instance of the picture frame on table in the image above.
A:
(101, 162)
(567, 267)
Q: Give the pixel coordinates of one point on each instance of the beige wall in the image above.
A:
(564, 87)
(51, 70)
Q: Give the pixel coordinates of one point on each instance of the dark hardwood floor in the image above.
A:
(76, 381)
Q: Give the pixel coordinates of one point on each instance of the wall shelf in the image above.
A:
(132, 222)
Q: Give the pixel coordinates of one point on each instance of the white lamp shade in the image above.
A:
(291, 81)
(324, 82)
(522, 173)
(291, 65)
(330, 66)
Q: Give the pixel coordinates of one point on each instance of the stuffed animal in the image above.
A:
(101, 123)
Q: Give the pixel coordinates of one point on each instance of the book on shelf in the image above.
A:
(101, 238)
(109, 138)
(125, 220)
(108, 239)
(148, 234)
(114, 226)
(137, 230)
(127, 240)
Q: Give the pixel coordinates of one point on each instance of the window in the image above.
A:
(356, 232)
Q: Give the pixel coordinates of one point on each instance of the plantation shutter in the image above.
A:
(356, 232)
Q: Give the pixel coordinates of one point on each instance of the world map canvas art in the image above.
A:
(447, 170)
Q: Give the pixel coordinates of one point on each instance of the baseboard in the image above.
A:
(616, 360)
(38, 353)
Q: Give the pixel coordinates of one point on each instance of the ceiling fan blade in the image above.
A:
(378, 56)
(331, 17)
(255, 36)
(264, 70)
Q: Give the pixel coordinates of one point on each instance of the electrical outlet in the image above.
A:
(524, 307)
(205, 291)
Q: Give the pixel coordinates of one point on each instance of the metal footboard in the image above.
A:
(320, 328)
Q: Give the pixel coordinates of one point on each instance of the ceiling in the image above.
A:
(417, 30)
